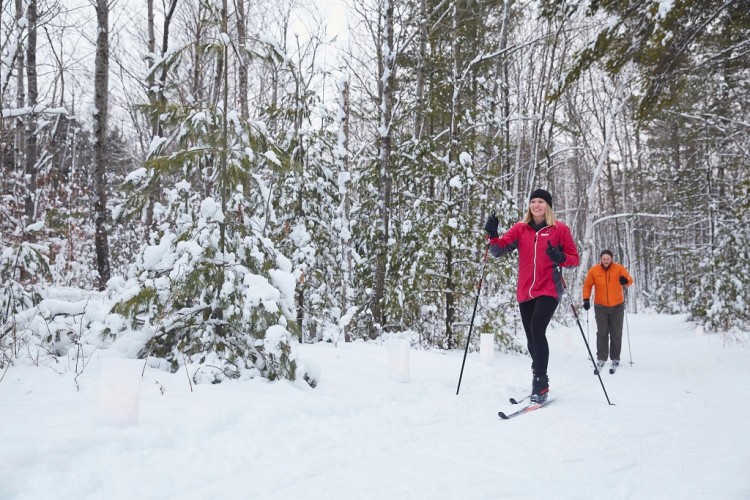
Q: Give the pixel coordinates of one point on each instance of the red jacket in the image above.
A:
(537, 274)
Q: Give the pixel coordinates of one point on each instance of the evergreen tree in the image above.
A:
(211, 286)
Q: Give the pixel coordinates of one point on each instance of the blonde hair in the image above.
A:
(549, 216)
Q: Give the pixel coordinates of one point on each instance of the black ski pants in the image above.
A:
(535, 316)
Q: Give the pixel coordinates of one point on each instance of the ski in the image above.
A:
(514, 402)
(526, 409)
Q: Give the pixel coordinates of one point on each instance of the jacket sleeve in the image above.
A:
(505, 243)
(587, 284)
(624, 272)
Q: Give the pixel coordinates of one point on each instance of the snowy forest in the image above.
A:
(204, 184)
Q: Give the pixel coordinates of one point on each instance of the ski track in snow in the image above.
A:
(677, 430)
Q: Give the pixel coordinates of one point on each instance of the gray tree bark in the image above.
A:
(386, 81)
(19, 147)
(343, 160)
(242, 40)
(101, 103)
(30, 133)
(156, 89)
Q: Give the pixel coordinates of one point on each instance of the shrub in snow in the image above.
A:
(22, 268)
(720, 297)
(207, 306)
(210, 288)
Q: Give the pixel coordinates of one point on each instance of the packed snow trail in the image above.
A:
(678, 429)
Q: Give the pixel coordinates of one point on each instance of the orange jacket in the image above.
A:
(607, 284)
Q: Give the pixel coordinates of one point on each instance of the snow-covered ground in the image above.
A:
(678, 429)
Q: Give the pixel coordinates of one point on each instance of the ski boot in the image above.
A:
(539, 389)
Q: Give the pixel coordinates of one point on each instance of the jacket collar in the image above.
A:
(537, 227)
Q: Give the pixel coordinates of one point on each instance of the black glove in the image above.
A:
(557, 256)
(491, 226)
(623, 280)
(586, 304)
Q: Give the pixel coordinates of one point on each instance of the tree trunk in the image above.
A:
(152, 98)
(505, 91)
(30, 133)
(299, 158)
(221, 329)
(156, 96)
(420, 77)
(453, 140)
(386, 80)
(498, 157)
(101, 87)
(19, 147)
(242, 40)
(343, 159)
(197, 62)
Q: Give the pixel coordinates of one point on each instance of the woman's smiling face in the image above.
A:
(538, 207)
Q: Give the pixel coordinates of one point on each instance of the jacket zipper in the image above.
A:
(533, 280)
(606, 282)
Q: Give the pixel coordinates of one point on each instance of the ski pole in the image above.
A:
(473, 314)
(587, 327)
(591, 356)
(627, 326)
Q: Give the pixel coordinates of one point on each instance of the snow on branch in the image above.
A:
(631, 214)
(39, 109)
(714, 119)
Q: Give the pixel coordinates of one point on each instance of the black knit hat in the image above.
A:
(541, 193)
